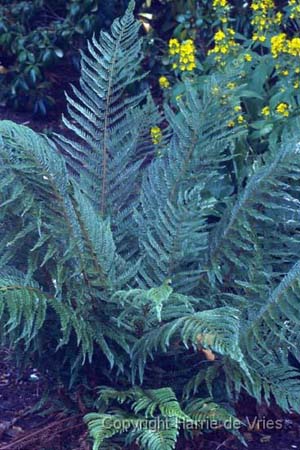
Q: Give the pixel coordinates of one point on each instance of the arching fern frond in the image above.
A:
(177, 196)
(256, 229)
(153, 418)
(152, 421)
(22, 307)
(104, 154)
(216, 329)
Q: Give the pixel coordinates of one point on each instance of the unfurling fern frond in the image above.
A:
(138, 299)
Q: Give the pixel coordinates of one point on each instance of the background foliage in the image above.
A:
(39, 40)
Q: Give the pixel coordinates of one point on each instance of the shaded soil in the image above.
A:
(41, 124)
(21, 428)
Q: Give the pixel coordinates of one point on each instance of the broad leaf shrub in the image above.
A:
(39, 40)
(265, 54)
(142, 250)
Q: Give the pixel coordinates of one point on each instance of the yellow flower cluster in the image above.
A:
(231, 85)
(278, 44)
(185, 53)
(264, 19)
(266, 111)
(220, 3)
(174, 47)
(156, 135)
(224, 43)
(215, 90)
(187, 60)
(263, 5)
(164, 82)
(283, 109)
(295, 9)
(288, 50)
(294, 46)
(240, 119)
(222, 8)
(281, 44)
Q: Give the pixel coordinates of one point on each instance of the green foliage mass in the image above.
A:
(153, 264)
(39, 38)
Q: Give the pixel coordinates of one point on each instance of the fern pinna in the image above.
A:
(159, 269)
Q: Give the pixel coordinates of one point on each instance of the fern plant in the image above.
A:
(155, 417)
(176, 281)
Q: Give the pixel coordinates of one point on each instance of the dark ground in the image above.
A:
(42, 124)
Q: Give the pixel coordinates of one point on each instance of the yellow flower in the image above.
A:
(258, 37)
(266, 111)
(297, 70)
(248, 57)
(191, 67)
(294, 46)
(187, 55)
(224, 99)
(219, 36)
(278, 44)
(240, 119)
(224, 44)
(296, 84)
(231, 85)
(285, 73)
(278, 18)
(295, 9)
(174, 46)
(283, 109)
(217, 3)
(215, 90)
(184, 56)
(237, 108)
(263, 5)
(156, 135)
(231, 124)
(224, 49)
(263, 18)
(164, 82)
